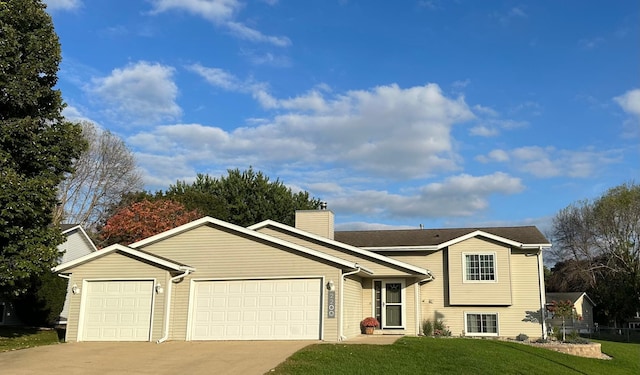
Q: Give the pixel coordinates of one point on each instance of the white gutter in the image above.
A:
(542, 293)
(168, 307)
(341, 337)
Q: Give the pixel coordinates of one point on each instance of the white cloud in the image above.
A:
(221, 13)
(456, 196)
(143, 93)
(74, 114)
(243, 31)
(213, 10)
(218, 77)
(514, 13)
(267, 58)
(494, 156)
(387, 131)
(484, 131)
(548, 162)
(63, 4)
(590, 43)
(630, 102)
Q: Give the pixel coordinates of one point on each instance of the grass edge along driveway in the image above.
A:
(426, 355)
(15, 337)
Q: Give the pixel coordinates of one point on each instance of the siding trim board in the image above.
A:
(140, 255)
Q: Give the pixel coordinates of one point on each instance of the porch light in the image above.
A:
(331, 285)
(75, 289)
(159, 289)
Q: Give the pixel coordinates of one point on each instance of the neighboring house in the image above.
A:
(77, 244)
(634, 322)
(212, 280)
(583, 306)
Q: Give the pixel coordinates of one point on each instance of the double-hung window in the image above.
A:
(478, 324)
(480, 267)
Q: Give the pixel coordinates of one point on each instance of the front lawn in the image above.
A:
(425, 355)
(12, 337)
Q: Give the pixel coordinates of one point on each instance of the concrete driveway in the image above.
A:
(211, 357)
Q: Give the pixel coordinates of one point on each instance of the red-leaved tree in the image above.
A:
(144, 219)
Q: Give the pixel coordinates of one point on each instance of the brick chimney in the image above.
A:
(319, 222)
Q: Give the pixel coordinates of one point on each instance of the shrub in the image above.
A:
(556, 333)
(43, 302)
(440, 329)
(573, 337)
(542, 341)
(427, 327)
(522, 337)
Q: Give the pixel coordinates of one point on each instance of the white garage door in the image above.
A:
(117, 310)
(283, 309)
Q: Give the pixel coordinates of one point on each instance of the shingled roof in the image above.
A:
(434, 237)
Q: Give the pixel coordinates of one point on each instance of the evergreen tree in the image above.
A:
(37, 147)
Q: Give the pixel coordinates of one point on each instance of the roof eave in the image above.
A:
(345, 246)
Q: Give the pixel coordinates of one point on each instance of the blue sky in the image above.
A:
(441, 113)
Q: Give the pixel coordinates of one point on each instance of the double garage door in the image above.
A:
(278, 309)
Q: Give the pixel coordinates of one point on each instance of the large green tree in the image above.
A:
(243, 197)
(600, 241)
(37, 147)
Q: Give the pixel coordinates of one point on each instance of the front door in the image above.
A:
(389, 303)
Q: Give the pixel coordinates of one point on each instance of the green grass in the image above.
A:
(12, 338)
(423, 355)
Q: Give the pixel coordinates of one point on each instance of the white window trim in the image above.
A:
(466, 328)
(495, 267)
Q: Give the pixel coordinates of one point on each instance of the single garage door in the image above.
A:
(117, 310)
(283, 309)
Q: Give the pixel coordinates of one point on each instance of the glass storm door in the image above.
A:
(389, 303)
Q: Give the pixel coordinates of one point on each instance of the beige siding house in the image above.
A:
(212, 280)
(583, 306)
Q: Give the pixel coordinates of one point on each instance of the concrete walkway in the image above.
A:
(111, 358)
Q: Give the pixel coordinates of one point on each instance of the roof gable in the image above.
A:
(162, 262)
(209, 221)
(380, 258)
(571, 296)
(69, 229)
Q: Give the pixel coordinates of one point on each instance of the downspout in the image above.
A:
(543, 301)
(341, 336)
(166, 316)
(68, 277)
(418, 294)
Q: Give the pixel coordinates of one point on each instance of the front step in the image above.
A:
(389, 332)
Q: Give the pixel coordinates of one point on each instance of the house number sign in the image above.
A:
(331, 308)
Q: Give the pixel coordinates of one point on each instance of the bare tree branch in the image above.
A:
(103, 173)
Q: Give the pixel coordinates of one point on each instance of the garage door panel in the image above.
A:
(257, 310)
(118, 310)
